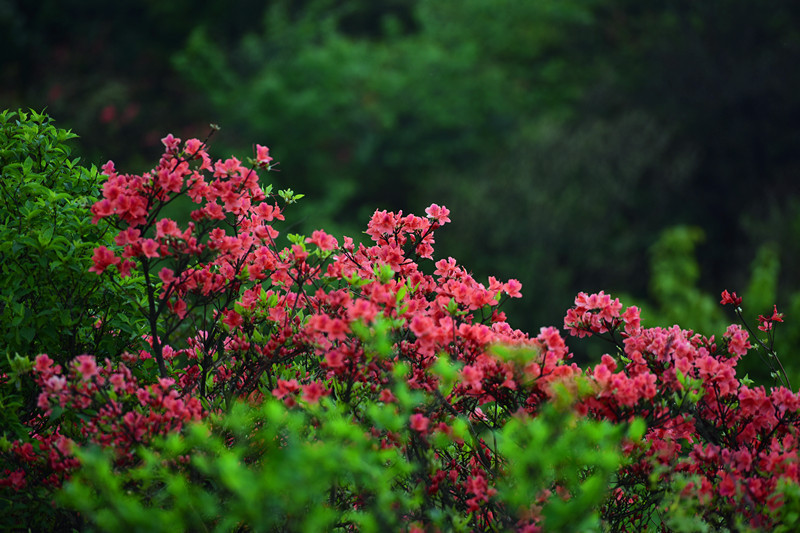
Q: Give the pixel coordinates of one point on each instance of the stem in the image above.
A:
(152, 318)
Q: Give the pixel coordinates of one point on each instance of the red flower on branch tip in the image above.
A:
(263, 158)
(766, 323)
(730, 298)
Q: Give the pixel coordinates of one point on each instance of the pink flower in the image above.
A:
(16, 480)
(421, 325)
(150, 248)
(602, 375)
(109, 170)
(232, 319)
(419, 422)
(285, 388)
(299, 254)
(312, 392)
(268, 212)
(386, 396)
(439, 214)
(166, 275)
(472, 377)
(102, 258)
(766, 323)
(727, 485)
(167, 228)
(322, 240)
(171, 143)
(362, 309)
(86, 366)
(56, 383)
(737, 340)
(262, 157)
(631, 319)
(338, 329)
(117, 381)
(728, 298)
(193, 147)
(513, 288)
(43, 363)
(178, 307)
(125, 268)
(127, 236)
(101, 209)
(43, 402)
(382, 222)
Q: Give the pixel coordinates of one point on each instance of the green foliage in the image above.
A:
(351, 116)
(567, 455)
(50, 302)
(762, 290)
(675, 274)
(268, 467)
(788, 514)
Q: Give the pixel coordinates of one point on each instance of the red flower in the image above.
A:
(166, 275)
(737, 340)
(323, 240)
(171, 143)
(102, 258)
(86, 366)
(313, 391)
(513, 288)
(150, 248)
(419, 422)
(766, 323)
(262, 157)
(232, 319)
(728, 298)
(285, 388)
(439, 214)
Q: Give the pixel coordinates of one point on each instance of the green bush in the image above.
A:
(50, 302)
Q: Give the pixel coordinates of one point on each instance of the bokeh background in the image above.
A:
(649, 149)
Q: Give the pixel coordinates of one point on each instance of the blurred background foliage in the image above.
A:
(649, 148)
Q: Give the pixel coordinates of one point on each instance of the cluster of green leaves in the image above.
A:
(561, 449)
(262, 466)
(50, 300)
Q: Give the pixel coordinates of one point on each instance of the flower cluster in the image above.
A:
(735, 443)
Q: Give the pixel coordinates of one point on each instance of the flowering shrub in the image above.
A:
(715, 444)
(324, 385)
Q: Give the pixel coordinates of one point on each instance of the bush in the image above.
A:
(342, 386)
(50, 300)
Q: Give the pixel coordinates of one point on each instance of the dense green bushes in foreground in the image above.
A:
(203, 377)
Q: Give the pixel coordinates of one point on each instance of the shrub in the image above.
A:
(355, 387)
